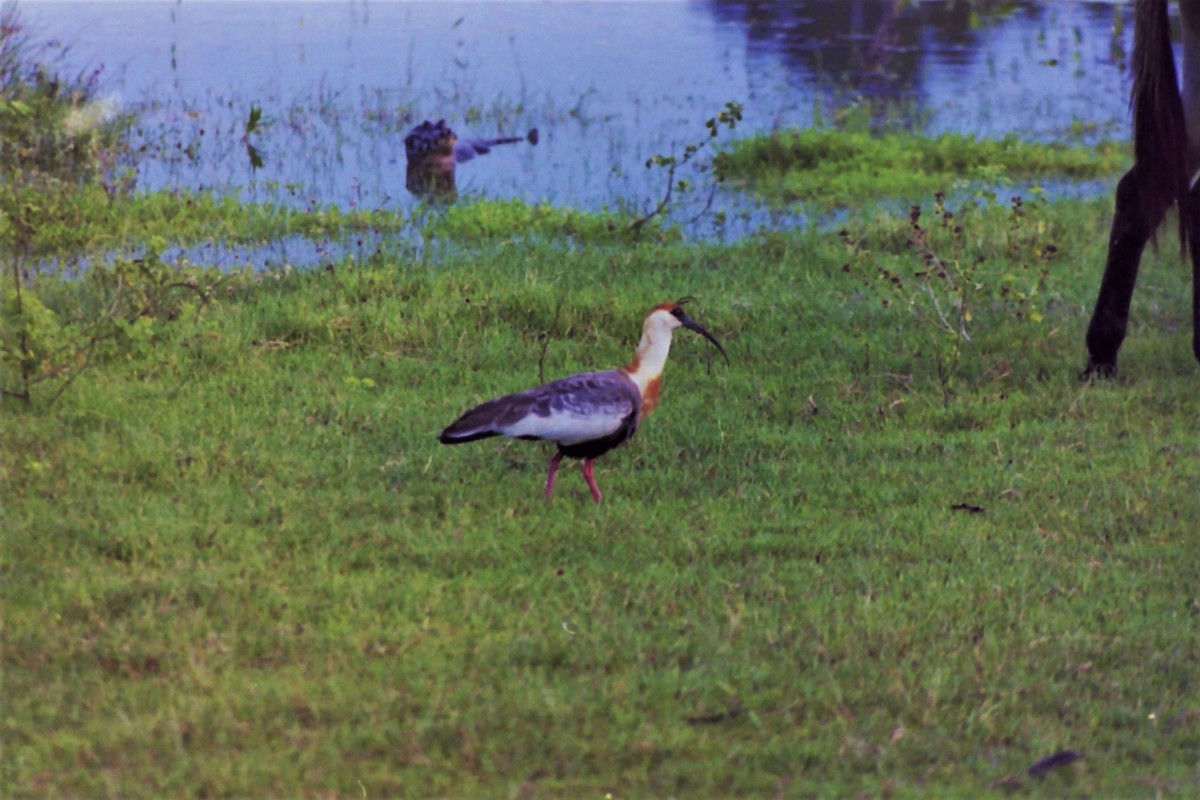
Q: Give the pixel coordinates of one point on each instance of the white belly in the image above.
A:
(566, 428)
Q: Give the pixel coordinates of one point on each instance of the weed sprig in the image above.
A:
(954, 284)
(729, 118)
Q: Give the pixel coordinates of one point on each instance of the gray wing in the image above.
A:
(580, 408)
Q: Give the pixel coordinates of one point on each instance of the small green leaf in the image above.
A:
(255, 118)
(16, 107)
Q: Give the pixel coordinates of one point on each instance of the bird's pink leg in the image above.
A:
(554, 462)
(591, 479)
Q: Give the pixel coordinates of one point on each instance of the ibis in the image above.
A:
(589, 414)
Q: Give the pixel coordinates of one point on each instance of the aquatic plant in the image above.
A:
(728, 118)
(836, 168)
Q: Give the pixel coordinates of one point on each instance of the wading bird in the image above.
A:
(585, 415)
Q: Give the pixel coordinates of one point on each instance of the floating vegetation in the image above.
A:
(836, 168)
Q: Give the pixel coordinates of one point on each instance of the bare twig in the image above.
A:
(546, 342)
(712, 193)
(638, 224)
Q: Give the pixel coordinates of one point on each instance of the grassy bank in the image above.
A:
(893, 549)
(868, 558)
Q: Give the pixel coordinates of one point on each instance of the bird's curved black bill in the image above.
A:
(692, 325)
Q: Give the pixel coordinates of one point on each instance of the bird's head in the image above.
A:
(671, 316)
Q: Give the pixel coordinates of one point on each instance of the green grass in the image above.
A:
(236, 562)
(69, 219)
(870, 557)
(840, 168)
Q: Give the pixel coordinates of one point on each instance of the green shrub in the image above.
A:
(50, 125)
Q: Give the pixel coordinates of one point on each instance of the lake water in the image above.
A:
(608, 84)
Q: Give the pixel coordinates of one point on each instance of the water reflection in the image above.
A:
(896, 52)
(433, 151)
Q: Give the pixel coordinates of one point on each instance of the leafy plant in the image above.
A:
(955, 281)
(50, 124)
(55, 137)
(729, 118)
(114, 310)
(253, 123)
